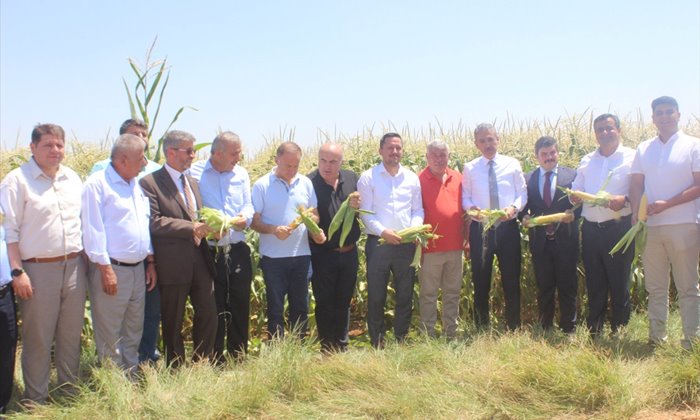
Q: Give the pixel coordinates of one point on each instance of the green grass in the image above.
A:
(529, 374)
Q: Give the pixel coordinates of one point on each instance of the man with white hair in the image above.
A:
(441, 190)
(115, 216)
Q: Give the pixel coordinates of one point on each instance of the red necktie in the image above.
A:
(547, 190)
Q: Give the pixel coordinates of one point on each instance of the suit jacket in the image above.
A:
(566, 234)
(171, 230)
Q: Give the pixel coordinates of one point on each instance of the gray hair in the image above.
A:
(222, 139)
(438, 145)
(124, 144)
(484, 127)
(174, 138)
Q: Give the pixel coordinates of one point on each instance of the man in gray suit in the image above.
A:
(183, 262)
(554, 247)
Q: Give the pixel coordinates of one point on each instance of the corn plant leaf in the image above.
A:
(132, 108)
(155, 83)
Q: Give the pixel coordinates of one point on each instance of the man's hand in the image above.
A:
(282, 232)
(511, 212)
(657, 207)
(320, 238)
(22, 286)
(109, 279)
(526, 221)
(241, 224)
(355, 201)
(575, 200)
(151, 276)
(391, 237)
(616, 202)
(200, 230)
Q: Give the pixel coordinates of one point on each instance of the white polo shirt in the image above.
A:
(668, 170)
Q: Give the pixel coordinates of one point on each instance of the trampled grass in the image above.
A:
(529, 374)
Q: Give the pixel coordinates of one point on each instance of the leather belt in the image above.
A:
(344, 249)
(4, 289)
(608, 223)
(53, 259)
(123, 264)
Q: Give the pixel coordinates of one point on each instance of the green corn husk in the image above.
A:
(636, 234)
(305, 215)
(487, 217)
(345, 216)
(347, 225)
(337, 219)
(217, 220)
(421, 234)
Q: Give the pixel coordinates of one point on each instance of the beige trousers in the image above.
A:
(118, 320)
(55, 311)
(673, 248)
(440, 270)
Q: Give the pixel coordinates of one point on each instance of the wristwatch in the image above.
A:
(16, 272)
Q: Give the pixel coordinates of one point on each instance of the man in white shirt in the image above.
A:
(603, 226)
(494, 181)
(41, 200)
(393, 193)
(115, 216)
(225, 186)
(667, 169)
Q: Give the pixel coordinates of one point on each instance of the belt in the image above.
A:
(344, 249)
(53, 259)
(4, 289)
(123, 264)
(608, 223)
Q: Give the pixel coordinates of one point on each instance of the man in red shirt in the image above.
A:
(441, 189)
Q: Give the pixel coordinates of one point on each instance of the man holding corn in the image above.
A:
(603, 177)
(278, 198)
(334, 265)
(393, 193)
(495, 182)
(667, 169)
(225, 186)
(554, 242)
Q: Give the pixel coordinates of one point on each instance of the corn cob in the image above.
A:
(337, 219)
(347, 226)
(306, 219)
(601, 198)
(549, 219)
(217, 220)
(636, 234)
(345, 216)
(422, 234)
(487, 217)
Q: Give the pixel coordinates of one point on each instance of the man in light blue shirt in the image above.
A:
(151, 321)
(225, 186)
(8, 324)
(285, 254)
(115, 215)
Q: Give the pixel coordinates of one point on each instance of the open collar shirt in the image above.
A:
(512, 190)
(226, 191)
(115, 219)
(442, 203)
(329, 201)
(276, 201)
(593, 173)
(395, 200)
(42, 214)
(668, 170)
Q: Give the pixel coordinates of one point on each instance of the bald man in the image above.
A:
(334, 266)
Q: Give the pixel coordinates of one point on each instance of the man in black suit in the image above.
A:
(183, 262)
(554, 247)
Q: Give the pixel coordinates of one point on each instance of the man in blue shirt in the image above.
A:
(225, 186)
(284, 250)
(8, 324)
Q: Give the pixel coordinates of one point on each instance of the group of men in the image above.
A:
(132, 238)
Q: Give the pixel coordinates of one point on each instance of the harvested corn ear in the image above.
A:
(564, 217)
(636, 234)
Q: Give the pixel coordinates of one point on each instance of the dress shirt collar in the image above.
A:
(618, 150)
(114, 177)
(382, 169)
(432, 176)
(36, 171)
(485, 161)
(275, 177)
(554, 171)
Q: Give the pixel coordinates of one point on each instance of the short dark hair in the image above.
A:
(603, 117)
(132, 122)
(545, 141)
(287, 146)
(387, 136)
(664, 100)
(43, 129)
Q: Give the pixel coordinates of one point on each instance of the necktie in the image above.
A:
(547, 190)
(189, 198)
(493, 187)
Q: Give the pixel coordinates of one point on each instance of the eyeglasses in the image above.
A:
(189, 151)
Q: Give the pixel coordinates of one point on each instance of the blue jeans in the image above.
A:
(286, 276)
(151, 325)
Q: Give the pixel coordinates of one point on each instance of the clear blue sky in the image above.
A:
(257, 66)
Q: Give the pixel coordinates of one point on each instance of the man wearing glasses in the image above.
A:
(183, 261)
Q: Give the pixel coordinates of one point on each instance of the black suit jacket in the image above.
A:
(566, 234)
(171, 230)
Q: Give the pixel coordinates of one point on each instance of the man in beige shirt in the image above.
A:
(41, 200)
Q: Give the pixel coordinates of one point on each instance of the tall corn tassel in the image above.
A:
(636, 234)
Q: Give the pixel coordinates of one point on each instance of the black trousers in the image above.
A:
(234, 274)
(8, 345)
(333, 282)
(606, 274)
(504, 243)
(555, 273)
